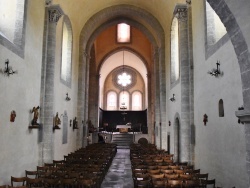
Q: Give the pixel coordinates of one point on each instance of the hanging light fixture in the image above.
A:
(123, 80)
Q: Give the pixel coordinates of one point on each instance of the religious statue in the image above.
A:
(205, 119)
(75, 123)
(91, 126)
(57, 121)
(35, 110)
(12, 116)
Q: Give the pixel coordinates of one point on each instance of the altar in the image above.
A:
(123, 128)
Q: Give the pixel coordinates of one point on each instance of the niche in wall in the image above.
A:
(221, 108)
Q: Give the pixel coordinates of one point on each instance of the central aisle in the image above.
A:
(120, 173)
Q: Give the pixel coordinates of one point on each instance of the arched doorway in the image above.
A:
(177, 140)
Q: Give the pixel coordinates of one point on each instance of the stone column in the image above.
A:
(244, 118)
(185, 137)
(157, 94)
(54, 13)
(82, 111)
(150, 117)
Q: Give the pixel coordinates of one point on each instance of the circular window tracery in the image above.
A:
(124, 79)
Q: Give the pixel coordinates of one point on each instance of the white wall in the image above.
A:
(19, 146)
(20, 149)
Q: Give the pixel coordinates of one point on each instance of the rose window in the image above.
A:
(124, 79)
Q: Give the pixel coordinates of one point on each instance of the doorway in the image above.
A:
(177, 140)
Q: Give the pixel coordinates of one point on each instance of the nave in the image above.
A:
(102, 165)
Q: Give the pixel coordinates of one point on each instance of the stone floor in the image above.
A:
(120, 173)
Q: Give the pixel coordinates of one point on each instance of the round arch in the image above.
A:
(147, 24)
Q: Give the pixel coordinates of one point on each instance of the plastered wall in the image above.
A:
(19, 146)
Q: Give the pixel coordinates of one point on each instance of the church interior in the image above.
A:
(172, 73)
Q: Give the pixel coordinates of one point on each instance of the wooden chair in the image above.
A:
(202, 176)
(152, 167)
(167, 171)
(142, 176)
(143, 183)
(43, 174)
(177, 171)
(82, 183)
(172, 176)
(18, 180)
(159, 184)
(68, 182)
(163, 167)
(37, 182)
(156, 171)
(52, 183)
(140, 171)
(74, 175)
(204, 183)
(156, 176)
(174, 167)
(29, 173)
(196, 171)
(191, 183)
(56, 162)
(175, 183)
(49, 164)
(187, 176)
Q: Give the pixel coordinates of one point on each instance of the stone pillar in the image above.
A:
(150, 117)
(185, 136)
(54, 13)
(157, 94)
(82, 111)
(191, 81)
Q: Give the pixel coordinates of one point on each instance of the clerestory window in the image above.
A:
(123, 33)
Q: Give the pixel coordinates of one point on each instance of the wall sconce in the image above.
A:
(216, 72)
(8, 69)
(172, 98)
(169, 123)
(67, 97)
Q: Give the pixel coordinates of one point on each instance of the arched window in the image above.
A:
(137, 101)
(112, 101)
(12, 25)
(123, 33)
(221, 108)
(66, 62)
(215, 28)
(175, 64)
(124, 100)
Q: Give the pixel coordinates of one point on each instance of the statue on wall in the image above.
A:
(35, 110)
(57, 121)
(75, 123)
(91, 126)
(12, 116)
(205, 119)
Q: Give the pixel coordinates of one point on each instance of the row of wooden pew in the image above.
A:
(85, 167)
(156, 168)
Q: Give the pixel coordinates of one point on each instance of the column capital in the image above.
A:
(243, 115)
(180, 12)
(55, 12)
(48, 2)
